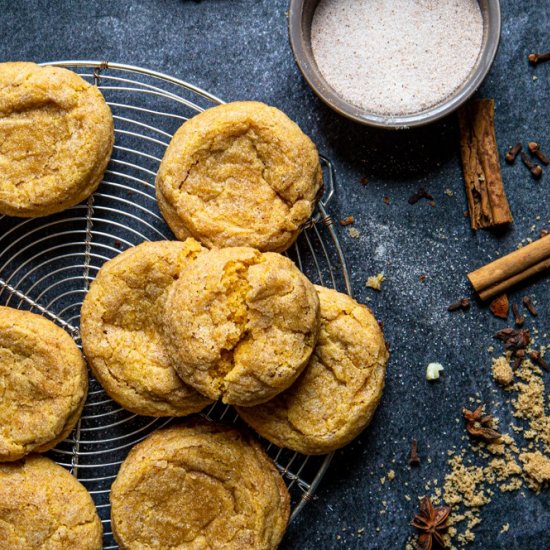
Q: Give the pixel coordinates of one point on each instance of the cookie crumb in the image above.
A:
(391, 475)
(505, 528)
(354, 233)
(375, 282)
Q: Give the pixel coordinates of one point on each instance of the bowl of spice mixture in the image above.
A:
(394, 63)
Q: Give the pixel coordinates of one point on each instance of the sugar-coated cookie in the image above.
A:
(120, 329)
(199, 485)
(239, 174)
(56, 137)
(241, 324)
(43, 384)
(337, 394)
(43, 507)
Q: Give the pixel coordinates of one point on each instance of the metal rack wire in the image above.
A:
(47, 265)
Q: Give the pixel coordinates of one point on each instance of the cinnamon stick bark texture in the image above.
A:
(496, 277)
(487, 201)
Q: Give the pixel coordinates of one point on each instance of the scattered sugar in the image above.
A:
(394, 57)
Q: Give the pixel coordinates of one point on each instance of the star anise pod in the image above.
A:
(478, 424)
(431, 522)
(514, 338)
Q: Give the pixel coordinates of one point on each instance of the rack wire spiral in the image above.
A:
(47, 265)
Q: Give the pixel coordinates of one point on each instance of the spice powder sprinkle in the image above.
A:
(396, 57)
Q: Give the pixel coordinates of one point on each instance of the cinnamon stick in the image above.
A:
(487, 201)
(518, 266)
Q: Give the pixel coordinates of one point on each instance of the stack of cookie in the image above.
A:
(170, 327)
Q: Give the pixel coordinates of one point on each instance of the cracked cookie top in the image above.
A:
(241, 324)
(43, 384)
(240, 174)
(56, 137)
(200, 485)
(337, 394)
(42, 506)
(120, 329)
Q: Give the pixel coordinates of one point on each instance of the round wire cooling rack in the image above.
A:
(47, 265)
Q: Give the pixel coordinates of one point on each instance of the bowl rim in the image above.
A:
(323, 90)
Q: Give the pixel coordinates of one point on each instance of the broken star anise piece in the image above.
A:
(479, 425)
(514, 338)
(431, 522)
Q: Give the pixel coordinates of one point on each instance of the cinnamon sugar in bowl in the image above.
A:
(394, 63)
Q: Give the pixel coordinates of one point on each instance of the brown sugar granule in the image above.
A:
(502, 371)
(507, 464)
(537, 469)
(464, 485)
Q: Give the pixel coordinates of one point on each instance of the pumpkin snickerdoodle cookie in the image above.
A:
(56, 137)
(199, 485)
(43, 507)
(241, 324)
(119, 327)
(240, 174)
(43, 384)
(336, 396)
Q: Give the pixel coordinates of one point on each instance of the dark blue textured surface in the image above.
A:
(238, 49)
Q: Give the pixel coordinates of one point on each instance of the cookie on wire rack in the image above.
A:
(199, 485)
(56, 136)
(337, 394)
(43, 384)
(44, 507)
(241, 324)
(239, 174)
(120, 322)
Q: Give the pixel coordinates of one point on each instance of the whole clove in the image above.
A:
(514, 339)
(519, 319)
(519, 356)
(513, 152)
(535, 169)
(420, 194)
(537, 358)
(529, 305)
(534, 149)
(461, 304)
(536, 58)
(414, 460)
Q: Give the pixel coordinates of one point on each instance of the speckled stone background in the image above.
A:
(238, 49)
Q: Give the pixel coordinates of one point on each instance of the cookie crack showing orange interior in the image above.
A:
(234, 286)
